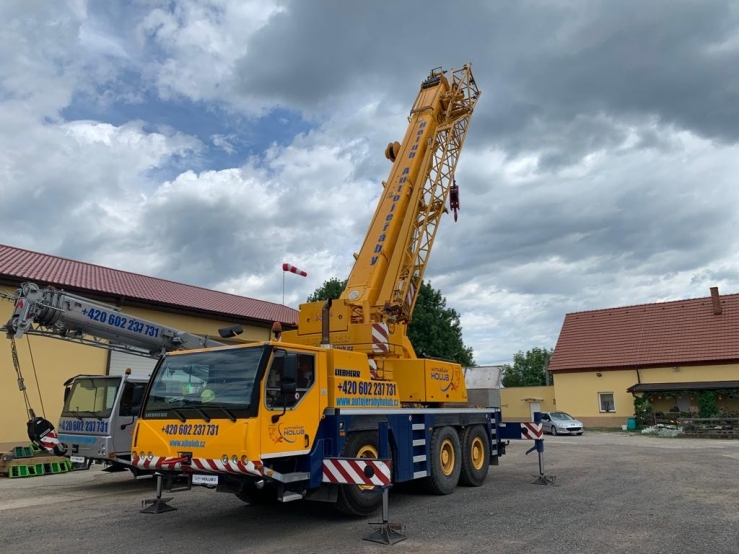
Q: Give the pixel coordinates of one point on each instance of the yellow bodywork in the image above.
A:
(343, 380)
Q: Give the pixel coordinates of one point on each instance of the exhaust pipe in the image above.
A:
(326, 324)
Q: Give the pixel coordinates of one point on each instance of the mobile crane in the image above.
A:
(267, 421)
(99, 411)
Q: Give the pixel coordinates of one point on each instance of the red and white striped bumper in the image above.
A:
(198, 465)
(358, 471)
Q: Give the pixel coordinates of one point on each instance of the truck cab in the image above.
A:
(98, 418)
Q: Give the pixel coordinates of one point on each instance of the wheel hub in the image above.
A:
(447, 458)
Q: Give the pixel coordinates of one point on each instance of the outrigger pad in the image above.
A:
(544, 480)
(387, 533)
(156, 506)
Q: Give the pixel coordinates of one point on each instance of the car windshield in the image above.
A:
(91, 397)
(190, 384)
(562, 416)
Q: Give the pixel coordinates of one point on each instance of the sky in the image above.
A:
(209, 141)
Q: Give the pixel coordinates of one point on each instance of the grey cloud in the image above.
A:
(547, 71)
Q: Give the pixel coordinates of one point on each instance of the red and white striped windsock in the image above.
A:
(293, 269)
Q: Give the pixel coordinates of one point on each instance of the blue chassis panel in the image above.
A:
(410, 461)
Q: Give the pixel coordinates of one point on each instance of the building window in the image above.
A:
(606, 402)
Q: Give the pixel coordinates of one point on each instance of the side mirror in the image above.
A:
(288, 387)
(289, 381)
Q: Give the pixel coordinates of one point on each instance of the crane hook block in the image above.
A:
(454, 198)
(392, 150)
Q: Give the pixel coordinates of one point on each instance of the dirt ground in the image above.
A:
(614, 492)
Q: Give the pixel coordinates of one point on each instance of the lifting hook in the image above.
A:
(454, 198)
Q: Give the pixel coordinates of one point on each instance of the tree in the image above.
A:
(330, 289)
(435, 330)
(528, 370)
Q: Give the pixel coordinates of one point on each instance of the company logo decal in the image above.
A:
(447, 379)
(288, 434)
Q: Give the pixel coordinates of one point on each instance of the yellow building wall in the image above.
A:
(514, 405)
(577, 394)
(680, 374)
(58, 360)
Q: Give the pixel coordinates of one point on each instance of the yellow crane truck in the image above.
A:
(262, 420)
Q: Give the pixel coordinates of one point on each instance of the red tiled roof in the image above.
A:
(24, 265)
(667, 333)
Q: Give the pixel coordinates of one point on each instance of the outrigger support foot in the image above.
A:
(386, 533)
(541, 479)
(157, 505)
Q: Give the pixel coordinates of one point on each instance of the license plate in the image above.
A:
(77, 459)
(205, 479)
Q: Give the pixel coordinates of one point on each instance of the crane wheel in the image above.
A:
(445, 463)
(392, 150)
(475, 456)
(359, 500)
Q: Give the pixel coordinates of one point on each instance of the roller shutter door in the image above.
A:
(140, 366)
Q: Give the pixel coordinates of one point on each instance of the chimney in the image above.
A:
(716, 301)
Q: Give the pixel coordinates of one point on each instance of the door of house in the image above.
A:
(534, 407)
(683, 402)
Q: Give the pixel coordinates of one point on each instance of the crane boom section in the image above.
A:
(59, 314)
(390, 266)
(382, 240)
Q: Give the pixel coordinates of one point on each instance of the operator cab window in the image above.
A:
(306, 378)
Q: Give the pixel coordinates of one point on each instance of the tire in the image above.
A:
(359, 500)
(446, 461)
(475, 456)
(554, 431)
(257, 497)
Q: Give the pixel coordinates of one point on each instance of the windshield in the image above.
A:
(91, 397)
(561, 415)
(201, 385)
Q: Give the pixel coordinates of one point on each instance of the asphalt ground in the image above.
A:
(614, 492)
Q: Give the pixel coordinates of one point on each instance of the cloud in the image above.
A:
(161, 138)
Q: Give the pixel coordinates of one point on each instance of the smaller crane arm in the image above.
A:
(59, 314)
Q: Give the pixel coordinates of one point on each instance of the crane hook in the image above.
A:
(454, 198)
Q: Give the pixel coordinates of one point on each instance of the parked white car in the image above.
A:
(563, 423)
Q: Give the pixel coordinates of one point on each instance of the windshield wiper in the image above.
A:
(205, 416)
(178, 414)
(225, 411)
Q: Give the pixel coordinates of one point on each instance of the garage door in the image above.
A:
(140, 366)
